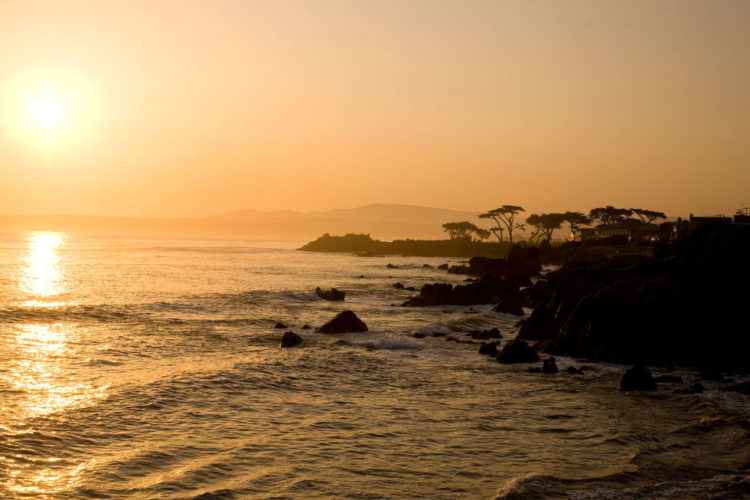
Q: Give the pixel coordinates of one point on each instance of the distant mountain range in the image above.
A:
(382, 221)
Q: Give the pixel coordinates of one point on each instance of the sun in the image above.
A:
(45, 111)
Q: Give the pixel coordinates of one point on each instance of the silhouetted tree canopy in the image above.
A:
(504, 217)
(545, 224)
(576, 220)
(610, 215)
(461, 229)
(465, 229)
(648, 216)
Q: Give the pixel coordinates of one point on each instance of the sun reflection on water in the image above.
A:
(41, 372)
(42, 273)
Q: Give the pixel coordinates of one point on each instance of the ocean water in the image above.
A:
(152, 369)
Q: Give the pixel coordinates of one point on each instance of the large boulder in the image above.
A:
(434, 294)
(637, 378)
(332, 294)
(517, 351)
(511, 304)
(290, 339)
(489, 348)
(344, 322)
(486, 290)
(541, 325)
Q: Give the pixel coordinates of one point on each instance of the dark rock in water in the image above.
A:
(541, 325)
(538, 293)
(668, 379)
(399, 286)
(344, 322)
(572, 370)
(492, 333)
(361, 276)
(426, 266)
(585, 368)
(290, 339)
(637, 378)
(461, 269)
(332, 294)
(535, 369)
(443, 266)
(438, 334)
(711, 374)
(280, 325)
(517, 351)
(306, 326)
(418, 335)
(521, 265)
(391, 266)
(486, 290)
(549, 365)
(410, 288)
(451, 338)
(489, 349)
(512, 304)
(742, 388)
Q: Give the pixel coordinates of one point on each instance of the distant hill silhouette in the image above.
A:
(382, 221)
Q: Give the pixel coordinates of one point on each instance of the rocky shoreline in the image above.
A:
(684, 304)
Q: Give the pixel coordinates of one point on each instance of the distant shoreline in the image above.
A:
(364, 245)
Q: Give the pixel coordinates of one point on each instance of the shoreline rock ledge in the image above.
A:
(344, 322)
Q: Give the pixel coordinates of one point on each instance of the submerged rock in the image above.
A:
(290, 339)
(443, 266)
(637, 378)
(280, 325)
(492, 333)
(306, 326)
(332, 294)
(517, 351)
(391, 266)
(549, 365)
(572, 370)
(344, 322)
(489, 349)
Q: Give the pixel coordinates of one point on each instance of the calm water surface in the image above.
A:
(151, 369)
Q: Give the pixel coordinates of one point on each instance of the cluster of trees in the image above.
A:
(545, 224)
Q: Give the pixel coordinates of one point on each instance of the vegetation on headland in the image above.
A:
(363, 244)
(619, 230)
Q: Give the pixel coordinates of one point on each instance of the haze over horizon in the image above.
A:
(108, 109)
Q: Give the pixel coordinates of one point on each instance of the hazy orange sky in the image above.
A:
(191, 108)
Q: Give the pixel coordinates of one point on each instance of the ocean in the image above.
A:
(137, 368)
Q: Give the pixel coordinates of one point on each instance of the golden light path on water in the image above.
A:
(42, 275)
(40, 368)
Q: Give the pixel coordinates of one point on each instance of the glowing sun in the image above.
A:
(45, 111)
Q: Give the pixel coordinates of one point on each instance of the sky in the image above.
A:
(189, 108)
